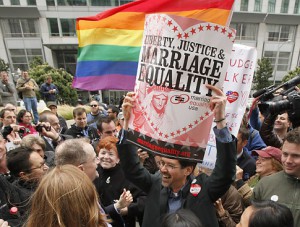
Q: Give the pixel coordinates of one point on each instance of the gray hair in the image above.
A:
(71, 152)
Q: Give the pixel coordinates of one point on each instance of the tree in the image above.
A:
(291, 74)
(61, 78)
(263, 74)
(3, 66)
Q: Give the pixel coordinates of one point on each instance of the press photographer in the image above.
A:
(281, 107)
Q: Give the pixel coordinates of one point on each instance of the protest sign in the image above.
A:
(178, 57)
(237, 87)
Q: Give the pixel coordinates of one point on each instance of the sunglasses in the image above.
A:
(93, 105)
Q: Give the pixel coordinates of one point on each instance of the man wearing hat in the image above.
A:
(63, 124)
(284, 187)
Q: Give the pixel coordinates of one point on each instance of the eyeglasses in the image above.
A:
(93, 105)
(42, 166)
(168, 166)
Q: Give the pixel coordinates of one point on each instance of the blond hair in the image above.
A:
(65, 197)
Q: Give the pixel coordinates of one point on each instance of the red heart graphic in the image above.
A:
(232, 96)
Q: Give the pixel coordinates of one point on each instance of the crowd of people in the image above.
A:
(89, 175)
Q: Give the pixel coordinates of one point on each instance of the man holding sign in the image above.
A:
(180, 189)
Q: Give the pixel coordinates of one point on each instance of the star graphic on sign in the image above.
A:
(175, 28)
(178, 131)
(187, 143)
(184, 129)
(131, 131)
(200, 28)
(169, 22)
(172, 134)
(154, 140)
(201, 118)
(193, 31)
(208, 27)
(152, 124)
(143, 132)
(196, 122)
(160, 133)
(229, 34)
(190, 126)
(206, 113)
(179, 36)
(170, 143)
(186, 35)
(166, 136)
(156, 129)
(224, 30)
(216, 28)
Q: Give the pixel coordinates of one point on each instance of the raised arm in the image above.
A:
(224, 172)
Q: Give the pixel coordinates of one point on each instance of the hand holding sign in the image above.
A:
(217, 105)
(128, 103)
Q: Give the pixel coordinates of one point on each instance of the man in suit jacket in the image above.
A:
(180, 189)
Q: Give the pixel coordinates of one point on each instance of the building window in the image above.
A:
(20, 28)
(244, 5)
(15, 2)
(67, 60)
(245, 31)
(53, 26)
(284, 6)
(1, 2)
(283, 59)
(122, 2)
(297, 7)
(71, 2)
(271, 6)
(281, 33)
(104, 3)
(50, 3)
(22, 57)
(68, 27)
(257, 5)
(31, 2)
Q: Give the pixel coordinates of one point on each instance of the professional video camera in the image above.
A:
(283, 98)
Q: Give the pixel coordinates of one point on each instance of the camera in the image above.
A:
(283, 98)
(39, 128)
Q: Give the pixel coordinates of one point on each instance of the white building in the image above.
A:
(46, 28)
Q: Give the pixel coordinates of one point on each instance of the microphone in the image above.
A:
(292, 83)
(262, 91)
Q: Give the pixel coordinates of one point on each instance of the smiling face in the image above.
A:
(291, 158)
(264, 166)
(282, 122)
(108, 158)
(27, 118)
(172, 174)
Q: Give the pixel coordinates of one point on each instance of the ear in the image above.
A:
(23, 176)
(188, 170)
(244, 143)
(81, 167)
(99, 133)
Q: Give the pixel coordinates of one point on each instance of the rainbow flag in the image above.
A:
(110, 42)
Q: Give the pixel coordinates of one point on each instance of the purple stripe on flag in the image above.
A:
(105, 82)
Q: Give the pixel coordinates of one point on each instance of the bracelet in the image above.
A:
(217, 121)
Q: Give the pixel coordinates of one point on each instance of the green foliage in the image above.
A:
(291, 74)
(36, 62)
(61, 78)
(263, 74)
(3, 66)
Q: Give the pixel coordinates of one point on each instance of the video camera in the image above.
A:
(283, 98)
